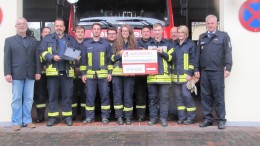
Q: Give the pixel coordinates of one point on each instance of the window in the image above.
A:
(35, 27)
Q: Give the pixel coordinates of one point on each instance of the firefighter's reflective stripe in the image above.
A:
(113, 58)
(50, 50)
(107, 107)
(186, 61)
(72, 62)
(169, 53)
(66, 113)
(117, 71)
(179, 78)
(172, 66)
(71, 72)
(44, 54)
(83, 68)
(181, 108)
(90, 108)
(41, 59)
(89, 59)
(110, 67)
(90, 76)
(165, 66)
(140, 106)
(50, 71)
(192, 109)
(83, 105)
(102, 60)
(191, 67)
(74, 105)
(100, 74)
(159, 79)
(53, 114)
(40, 105)
(126, 109)
(117, 107)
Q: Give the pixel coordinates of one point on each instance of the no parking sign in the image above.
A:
(249, 15)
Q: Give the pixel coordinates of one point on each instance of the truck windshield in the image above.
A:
(117, 12)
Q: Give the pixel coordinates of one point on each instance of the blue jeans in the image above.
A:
(22, 101)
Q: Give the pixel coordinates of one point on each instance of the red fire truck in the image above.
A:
(114, 13)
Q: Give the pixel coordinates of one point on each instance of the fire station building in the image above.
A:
(238, 18)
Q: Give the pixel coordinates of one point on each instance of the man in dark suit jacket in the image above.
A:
(21, 68)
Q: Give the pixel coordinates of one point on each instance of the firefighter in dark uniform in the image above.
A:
(214, 58)
(123, 86)
(173, 112)
(111, 37)
(79, 97)
(96, 73)
(40, 90)
(158, 85)
(59, 72)
(183, 70)
(141, 81)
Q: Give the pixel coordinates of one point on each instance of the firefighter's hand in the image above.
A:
(109, 78)
(160, 50)
(56, 58)
(197, 74)
(84, 79)
(9, 78)
(188, 77)
(121, 52)
(37, 76)
(226, 73)
(78, 58)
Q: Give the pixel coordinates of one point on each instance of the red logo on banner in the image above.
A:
(249, 15)
(1, 15)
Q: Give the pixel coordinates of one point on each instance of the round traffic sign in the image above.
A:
(1, 15)
(249, 15)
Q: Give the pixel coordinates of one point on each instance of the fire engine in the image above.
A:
(114, 13)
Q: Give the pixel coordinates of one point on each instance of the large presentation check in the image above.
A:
(139, 62)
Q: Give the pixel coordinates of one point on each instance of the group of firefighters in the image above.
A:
(99, 69)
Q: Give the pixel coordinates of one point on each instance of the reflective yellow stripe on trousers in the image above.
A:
(53, 114)
(66, 113)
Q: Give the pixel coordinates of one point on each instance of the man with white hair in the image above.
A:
(21, 68)
(215, 62)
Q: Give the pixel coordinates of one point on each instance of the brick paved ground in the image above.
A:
(96, 134)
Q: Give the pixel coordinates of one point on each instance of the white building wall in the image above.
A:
(242, 87)
(12, 9)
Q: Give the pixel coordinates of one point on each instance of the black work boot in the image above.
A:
(152, 122)
(120, 121)
(88, 120)
(221, 125)
(40, 115)
(164, 122)
(205, 123)
(105, 121)
(53, 121)
(68, 121)
(128, 121)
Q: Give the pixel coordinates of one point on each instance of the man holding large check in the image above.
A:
(159, 82)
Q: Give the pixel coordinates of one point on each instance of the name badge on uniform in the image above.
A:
(89, 48)
(202, 45)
